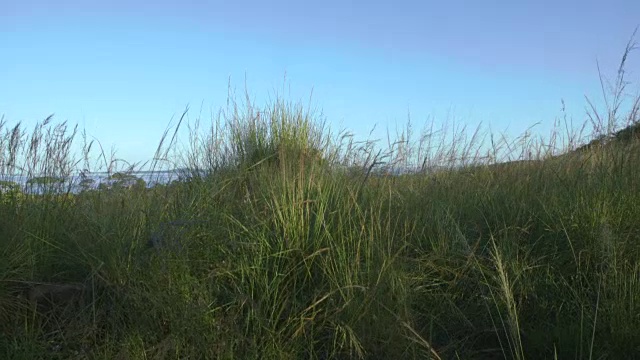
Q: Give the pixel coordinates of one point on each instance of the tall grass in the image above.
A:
(285, 240)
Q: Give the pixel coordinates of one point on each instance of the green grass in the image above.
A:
(295, 244)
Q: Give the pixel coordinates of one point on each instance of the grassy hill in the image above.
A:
(268, 249)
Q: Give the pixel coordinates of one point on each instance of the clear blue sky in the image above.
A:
(122, 69)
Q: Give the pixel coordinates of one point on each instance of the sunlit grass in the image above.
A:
(284, 240)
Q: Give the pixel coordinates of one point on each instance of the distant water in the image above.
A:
(77, 182)
(74, 182)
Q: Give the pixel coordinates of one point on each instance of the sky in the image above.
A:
(123, 69)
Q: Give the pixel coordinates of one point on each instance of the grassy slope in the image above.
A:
(276, 254)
